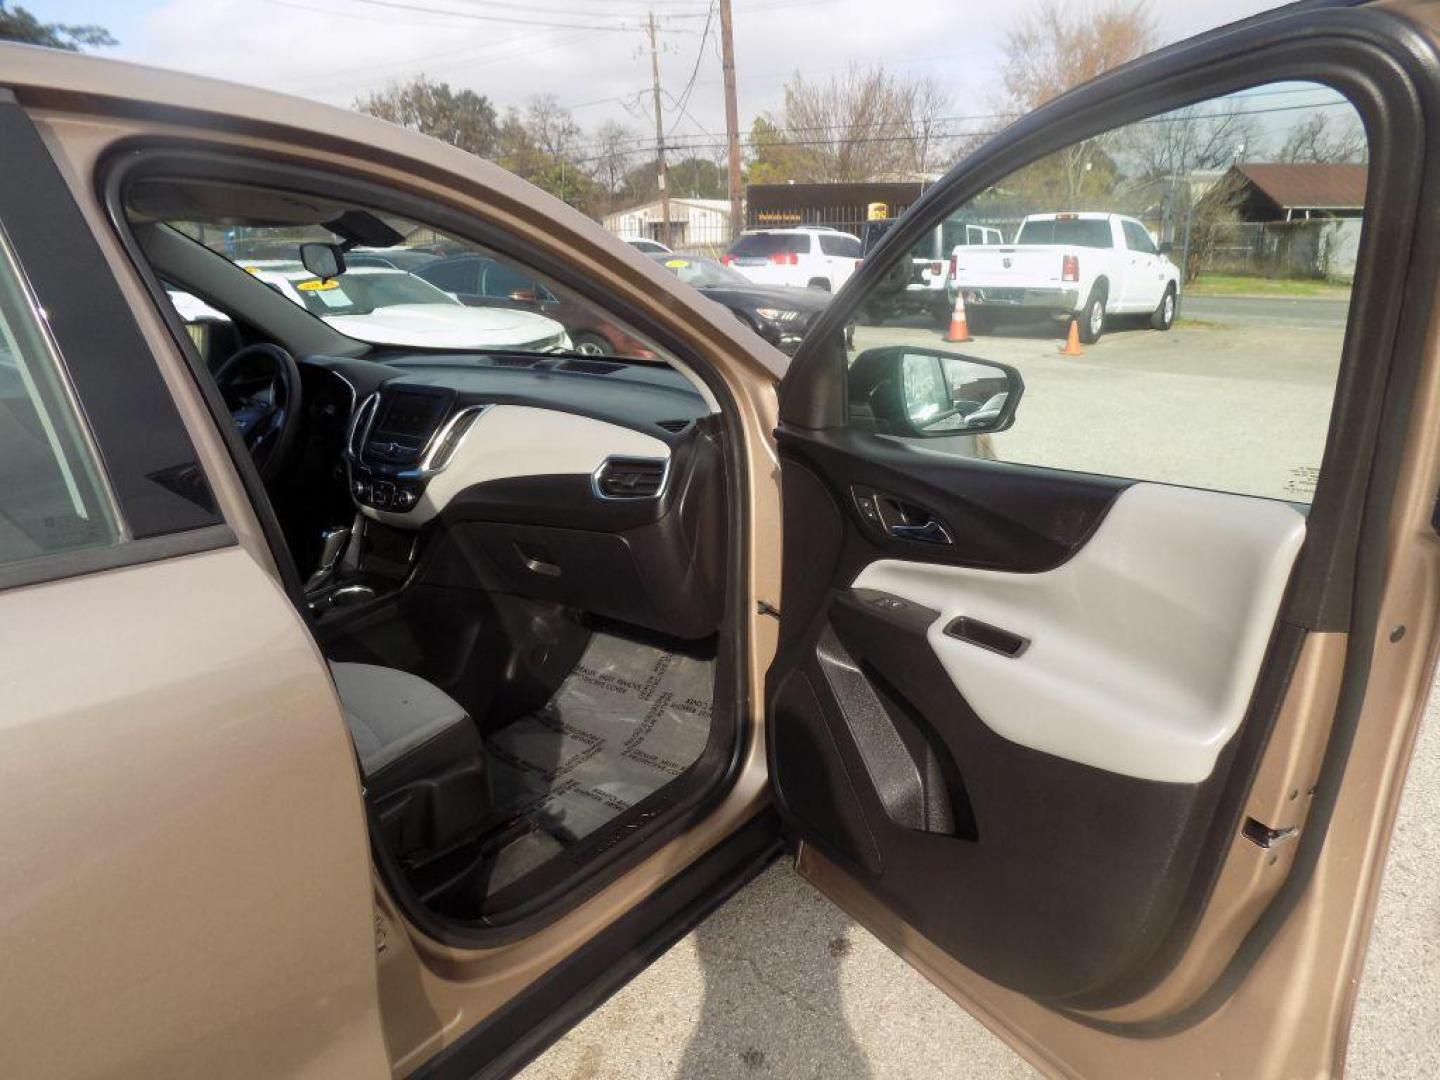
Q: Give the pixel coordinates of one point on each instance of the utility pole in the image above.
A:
(660, 137)
(732, 117)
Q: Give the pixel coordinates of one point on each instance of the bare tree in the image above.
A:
(1056, 45)
(927, 101)
(1213, 135)
(1315, 139)
(614, 157)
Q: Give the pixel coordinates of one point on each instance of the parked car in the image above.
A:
(1085, 266)
(374, 710)
(483, 281)
(645, 245)
(808, 257)
(928, 290)
(396, 258)
(384, 306)
(778, 314)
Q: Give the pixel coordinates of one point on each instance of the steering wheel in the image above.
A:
(261, 388)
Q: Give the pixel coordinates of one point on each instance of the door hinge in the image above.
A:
(764, 607)
(1262, 835)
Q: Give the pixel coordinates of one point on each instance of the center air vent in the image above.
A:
(630, 478)
(676, 426)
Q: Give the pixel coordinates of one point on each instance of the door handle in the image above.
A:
(929, 532)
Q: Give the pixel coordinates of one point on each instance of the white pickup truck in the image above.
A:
(1086, 266)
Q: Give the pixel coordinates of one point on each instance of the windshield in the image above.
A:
(360, 292)
(476, 299)
(702, 273)
(1077, 232)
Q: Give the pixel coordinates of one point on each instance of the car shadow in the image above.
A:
(771, 961)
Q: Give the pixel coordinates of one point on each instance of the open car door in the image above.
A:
(1098, 674)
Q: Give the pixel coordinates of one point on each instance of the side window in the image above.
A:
(51, 497)
(453, 275)
(844, 246)
(1211, 365)
(1136, 238)
(500, 281)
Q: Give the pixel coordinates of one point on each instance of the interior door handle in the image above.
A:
(930, 532)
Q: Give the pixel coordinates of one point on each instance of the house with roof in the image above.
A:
(1298, 191)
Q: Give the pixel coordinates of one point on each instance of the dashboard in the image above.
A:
(590, 482)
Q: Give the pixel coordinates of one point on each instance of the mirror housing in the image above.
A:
(928, 393)
(325, 261)
(1167, 248)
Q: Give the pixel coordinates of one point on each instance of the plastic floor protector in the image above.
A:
(626, 721)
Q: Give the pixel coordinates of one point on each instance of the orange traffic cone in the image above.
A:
(1072, 343)
(959, 328)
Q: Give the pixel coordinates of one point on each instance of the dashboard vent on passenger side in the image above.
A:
(512, 361)
(589, 367)
(676, 426)
(630, 478)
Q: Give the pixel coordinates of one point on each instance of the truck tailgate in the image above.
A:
(1017, 266)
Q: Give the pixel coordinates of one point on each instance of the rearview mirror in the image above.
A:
(325, 261)
(906, 390)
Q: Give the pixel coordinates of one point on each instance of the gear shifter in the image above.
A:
(333, 542)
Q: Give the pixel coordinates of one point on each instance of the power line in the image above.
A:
(476, 16)
(684, 98)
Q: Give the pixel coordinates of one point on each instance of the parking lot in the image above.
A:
(1236, 396)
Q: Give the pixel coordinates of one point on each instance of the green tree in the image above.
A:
(461, 118)
(17, 24)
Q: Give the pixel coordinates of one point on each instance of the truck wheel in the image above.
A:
(1092, 317)
(1163, 317)
(819, 283)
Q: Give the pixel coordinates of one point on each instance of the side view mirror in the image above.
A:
(325, 261)
(927, 393)
(1167, 249)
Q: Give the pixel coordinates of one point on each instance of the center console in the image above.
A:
(401, 437)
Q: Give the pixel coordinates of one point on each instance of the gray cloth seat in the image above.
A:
(404, 728)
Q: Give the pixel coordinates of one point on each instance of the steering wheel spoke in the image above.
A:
(261, 384)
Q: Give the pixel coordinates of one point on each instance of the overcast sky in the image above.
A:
(592, 54)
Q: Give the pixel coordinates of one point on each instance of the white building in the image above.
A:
(694, 223)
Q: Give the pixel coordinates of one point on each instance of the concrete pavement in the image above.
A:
(780, 983)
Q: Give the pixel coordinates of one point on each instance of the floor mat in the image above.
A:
(629, 719)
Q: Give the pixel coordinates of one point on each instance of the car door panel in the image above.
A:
(1023, 804)
(983, 841)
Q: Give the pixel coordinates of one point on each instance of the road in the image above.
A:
(1310, 312)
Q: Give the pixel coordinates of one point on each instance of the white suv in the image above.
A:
(813, 257)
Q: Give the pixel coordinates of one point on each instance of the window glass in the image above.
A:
(844, 246)
(1093, 232)
(767, 244)
(424, 290)
(1211, 362)
(500, 281)
(452, 275)
(1136, 238)
(51, 498)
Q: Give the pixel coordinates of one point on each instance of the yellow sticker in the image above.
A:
(316, 285)
(677, 264)
(252, 269)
